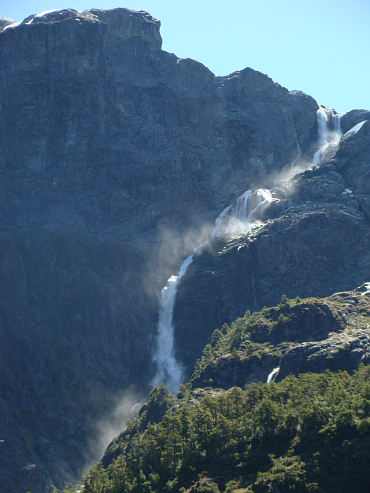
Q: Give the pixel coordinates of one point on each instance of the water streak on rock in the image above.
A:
(299, 154)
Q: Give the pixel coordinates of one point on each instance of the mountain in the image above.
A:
(116, 158)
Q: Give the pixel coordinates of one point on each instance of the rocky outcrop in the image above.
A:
(352, 118)
(5, 21)
(310, 335)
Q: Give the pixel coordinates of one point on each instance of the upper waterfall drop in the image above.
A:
(327, 137)
(243, 212)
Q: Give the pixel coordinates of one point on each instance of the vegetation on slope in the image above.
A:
(312, 334)
(252, 335)
(306, 434)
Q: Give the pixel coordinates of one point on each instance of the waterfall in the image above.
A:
(299, 154)
(327, 137)
(235, 218)
(271, 376)
(337, 128)
(239, 216)
(169, 370)
(246, 209)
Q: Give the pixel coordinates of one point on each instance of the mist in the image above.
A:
(108, 427)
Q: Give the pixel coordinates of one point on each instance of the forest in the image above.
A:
(305, 434)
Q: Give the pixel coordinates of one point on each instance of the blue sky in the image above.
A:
(321, 47)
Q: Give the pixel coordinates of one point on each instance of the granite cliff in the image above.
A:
(114, 157)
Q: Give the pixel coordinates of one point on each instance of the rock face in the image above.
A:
(91, 107)
(317, 242)
(112, 153)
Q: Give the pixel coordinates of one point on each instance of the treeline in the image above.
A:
(306, 434)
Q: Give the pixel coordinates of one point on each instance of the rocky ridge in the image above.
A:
(297, 336)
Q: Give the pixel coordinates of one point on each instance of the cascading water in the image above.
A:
(337, 128)
(235, 218)
(169, 370)
(272, 375)
(245, 210)
(327, 137)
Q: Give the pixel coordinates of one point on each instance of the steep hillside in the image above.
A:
(296, 336)
(309, 434)
(226, 430)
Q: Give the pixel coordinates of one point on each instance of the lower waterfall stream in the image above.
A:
(272, 375)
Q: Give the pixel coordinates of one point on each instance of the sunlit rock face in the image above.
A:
(112, 153)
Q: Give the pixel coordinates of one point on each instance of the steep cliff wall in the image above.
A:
(124, 137)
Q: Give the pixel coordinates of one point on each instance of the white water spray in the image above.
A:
(271, 376)
(169, 370)
(326, 137)
(243, 212)
(235, 218)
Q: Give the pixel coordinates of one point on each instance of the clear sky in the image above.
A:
(321, 47)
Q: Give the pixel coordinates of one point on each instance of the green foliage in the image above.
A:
(284, 300)
(305, 434)
(184, 391)
(244, 332)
